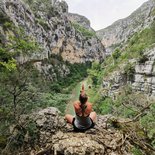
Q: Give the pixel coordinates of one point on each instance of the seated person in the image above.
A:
(84, 118)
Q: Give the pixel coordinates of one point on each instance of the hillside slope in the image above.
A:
(120, 31)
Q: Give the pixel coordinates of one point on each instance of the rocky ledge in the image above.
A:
(110, 136)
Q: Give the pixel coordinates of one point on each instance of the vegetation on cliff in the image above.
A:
(85, 32)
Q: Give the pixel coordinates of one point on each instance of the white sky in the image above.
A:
(103, 13)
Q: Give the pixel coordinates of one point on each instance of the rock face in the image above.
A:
(112, 85)
(121, 30)
(143, 77)
(51, 25)
(145, 74)
(80, 19)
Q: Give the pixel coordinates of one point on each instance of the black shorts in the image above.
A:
(82, 130)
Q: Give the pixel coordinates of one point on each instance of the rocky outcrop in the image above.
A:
(111, 85)
(57, 137)
(143, 79)
(145, 73)
(50, 24)
(120, 31)
(80, 19)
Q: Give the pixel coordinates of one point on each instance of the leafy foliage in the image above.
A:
(55, 100)
(94, 72)
(77, 73)
(136, 151)
(129, 71)
(17, 44)
(43, 23)
(116, 54)
(148, 123)
(105, 106)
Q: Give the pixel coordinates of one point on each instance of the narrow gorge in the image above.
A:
(47, 53)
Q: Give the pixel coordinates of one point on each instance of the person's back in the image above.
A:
(84, 118)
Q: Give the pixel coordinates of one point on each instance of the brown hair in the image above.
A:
(83, 98)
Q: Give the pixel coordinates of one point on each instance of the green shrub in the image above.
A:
(3, 18)
(116, 54)
(3, 141)
(129, 71)
(95, 72)
(105, 107)
(55, 87)
(152, 33)
(53, 100)
(136, 151)
(147, 121)
(153, 12)
(7, 26)
(128, 113)
(85, 32)
(77, 73)
(143, 58)
(33, 132)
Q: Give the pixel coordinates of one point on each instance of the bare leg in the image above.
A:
(93, 116)
(69, 118)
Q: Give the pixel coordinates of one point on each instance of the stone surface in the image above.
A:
(112, 84)
(57, 137)
(80, 20)
(144, 74)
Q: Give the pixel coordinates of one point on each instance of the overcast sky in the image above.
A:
(103, 13)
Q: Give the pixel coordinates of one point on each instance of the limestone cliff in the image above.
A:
(56, 32)
(120, 31)
(81, 20)
(143, 78)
